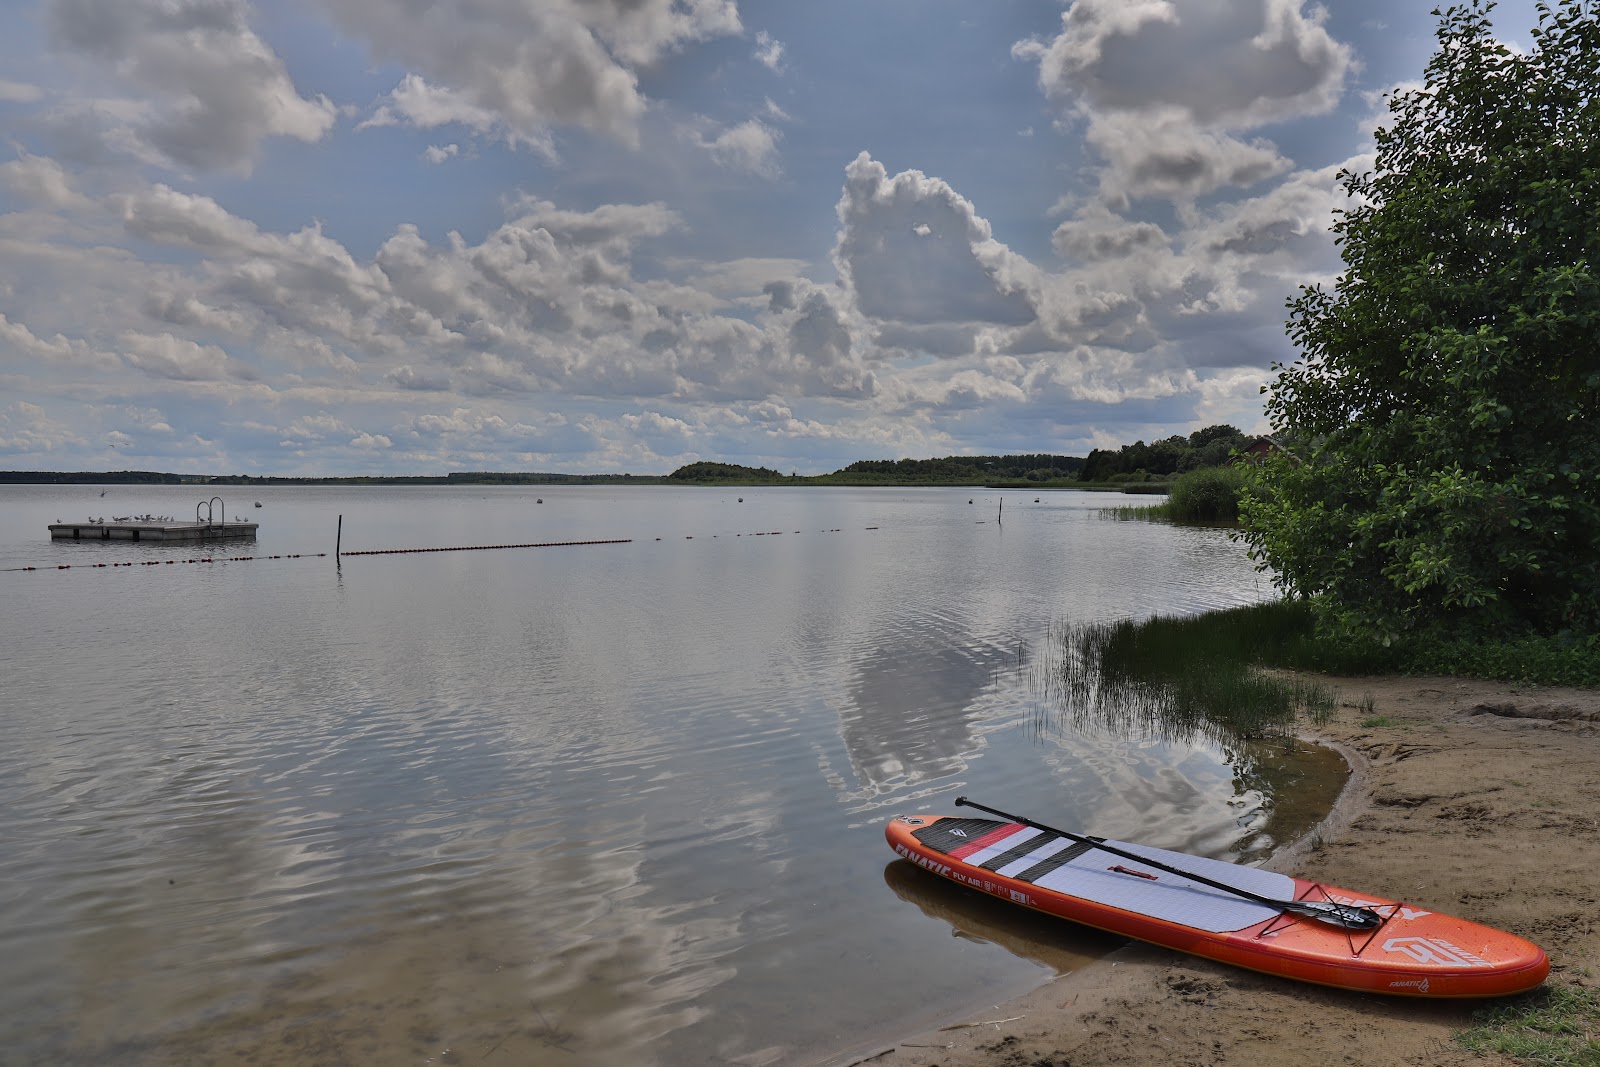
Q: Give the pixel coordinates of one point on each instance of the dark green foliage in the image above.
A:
(1296, 643)
(725, 472)
(95, 478)
(1208, 494)
(1210, 447)
(967, 470)
(1444, 417)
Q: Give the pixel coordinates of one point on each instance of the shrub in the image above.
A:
(1207, 494)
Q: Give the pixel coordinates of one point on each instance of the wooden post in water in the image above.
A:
(338, 537)
(1001, 517)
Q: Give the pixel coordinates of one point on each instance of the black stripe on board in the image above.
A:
(1016, 852)
(1050, 863)
(947, 835)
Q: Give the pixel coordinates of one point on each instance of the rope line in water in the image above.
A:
(378, 552)
(477, 548)
(159, 562)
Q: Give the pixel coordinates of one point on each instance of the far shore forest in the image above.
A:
(1138, 464)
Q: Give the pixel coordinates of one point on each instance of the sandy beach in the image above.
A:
(1477, 798)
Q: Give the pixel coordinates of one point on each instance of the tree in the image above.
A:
(1442, 418)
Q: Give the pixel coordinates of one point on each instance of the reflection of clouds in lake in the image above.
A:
(375, 883)
(915, 695)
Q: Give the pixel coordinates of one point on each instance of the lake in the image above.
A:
(604, 804)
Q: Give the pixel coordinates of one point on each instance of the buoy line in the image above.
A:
(376, 552)
(477, 548)
(159, 562)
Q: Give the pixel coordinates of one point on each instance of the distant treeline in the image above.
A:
(1135, 463)
(728, 472)
(100, 478)
(959, 469)
(1210, 447)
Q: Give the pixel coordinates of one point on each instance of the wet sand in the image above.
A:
(1477, 798)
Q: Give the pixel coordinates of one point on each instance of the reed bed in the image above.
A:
(1200, 677)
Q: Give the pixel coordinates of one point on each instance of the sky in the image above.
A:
(342, 237)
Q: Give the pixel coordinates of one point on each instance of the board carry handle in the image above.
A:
(1348, 916)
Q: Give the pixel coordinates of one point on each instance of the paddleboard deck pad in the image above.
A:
(1415, 952)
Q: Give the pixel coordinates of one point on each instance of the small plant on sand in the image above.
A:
(1557, 1026)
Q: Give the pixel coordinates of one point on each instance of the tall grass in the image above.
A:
(1204, 495)
(1207, 494)
(1182, 678)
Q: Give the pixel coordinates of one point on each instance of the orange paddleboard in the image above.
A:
(1409, 951)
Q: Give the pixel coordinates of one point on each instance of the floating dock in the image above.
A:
(135, 530)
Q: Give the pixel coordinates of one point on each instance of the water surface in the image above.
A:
(589, 805)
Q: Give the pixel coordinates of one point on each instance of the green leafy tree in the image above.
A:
(1442, 418)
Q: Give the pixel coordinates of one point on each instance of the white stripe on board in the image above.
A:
(1005, 844)
(1016, 867)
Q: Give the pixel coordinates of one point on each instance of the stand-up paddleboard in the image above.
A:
(1245, 916)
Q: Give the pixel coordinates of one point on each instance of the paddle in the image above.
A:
(1348, 916)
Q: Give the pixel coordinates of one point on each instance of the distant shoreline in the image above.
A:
(481, 479)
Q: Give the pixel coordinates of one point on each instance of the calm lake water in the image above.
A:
(615, 804)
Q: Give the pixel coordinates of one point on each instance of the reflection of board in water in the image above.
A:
(976, 916)
(1177, 900)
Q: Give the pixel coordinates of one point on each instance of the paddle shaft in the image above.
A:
(1282, 905)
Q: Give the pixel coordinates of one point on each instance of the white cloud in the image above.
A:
(914, 250)
(1097, 234)
(1232, 63)
(27, 429)
(19, 344)
(166, 356)
(769, 52)
(532, 66)
(1160, 153)
(1164, 87)
(216, 89)
(19, 93)
(751, 147)
(437, 154)
(426, 106)
(42, 181)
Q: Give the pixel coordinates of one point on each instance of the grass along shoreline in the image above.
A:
(1221, 676)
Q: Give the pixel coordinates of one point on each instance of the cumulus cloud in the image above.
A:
(1097, 234)
(914, 250)
(527, 67)
(42, 181)
(416, 103)
(215, 88)
(1237, 63)
(1162, 154)
(751, 147)
(27, 429)
(174, 358)
(19, 343)
(1165, 87)
(769, 52)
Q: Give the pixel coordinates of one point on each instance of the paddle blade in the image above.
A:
(1345, 915)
